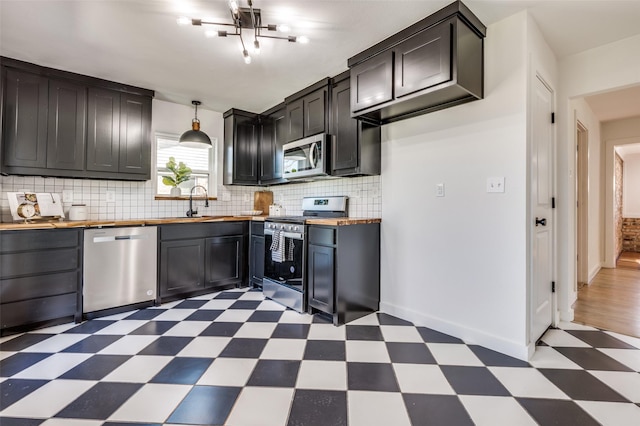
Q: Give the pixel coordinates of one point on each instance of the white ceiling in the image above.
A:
(616, 104)
(138, 41)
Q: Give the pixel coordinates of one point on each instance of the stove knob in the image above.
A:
(295, 228)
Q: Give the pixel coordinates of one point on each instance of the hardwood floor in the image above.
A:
(628, 260)
(611, 302)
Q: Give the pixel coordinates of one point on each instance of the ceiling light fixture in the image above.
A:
(246, 18)
(195, 138)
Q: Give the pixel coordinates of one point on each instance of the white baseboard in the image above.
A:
(468, 335)
(594, 272)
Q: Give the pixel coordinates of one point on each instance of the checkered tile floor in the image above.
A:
(234, 358)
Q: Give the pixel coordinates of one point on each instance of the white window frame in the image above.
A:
(213, 176)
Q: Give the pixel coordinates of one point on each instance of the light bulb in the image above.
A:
(284, 28)
(247, 58)
(302, 39)
(183, 20)
(233, 4)
(256, 47)
(210, 33)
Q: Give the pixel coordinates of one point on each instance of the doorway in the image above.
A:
(582, 206)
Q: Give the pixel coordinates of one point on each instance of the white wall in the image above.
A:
(593, 71)
(631, 186)
(595, 226)
(458, 263)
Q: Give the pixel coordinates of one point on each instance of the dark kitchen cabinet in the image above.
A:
(240, 148)
(181, 267)
(355, 149)
(56, 123)
(224, 257)
(119, 139)
(40, 278)
(198, 258)
(272, 138)
(343, 270)
(256, 254)
(24, 119)
(435, 63)
(67, 123)
(307, 111)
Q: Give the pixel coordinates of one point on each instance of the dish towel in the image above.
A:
(277, 247)
(290, 249)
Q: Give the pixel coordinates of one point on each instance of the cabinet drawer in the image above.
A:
(37, 310)
(38, 262)
(257, 228)
(322, 236)
(39, 240)
(200, 230)
(15, 289)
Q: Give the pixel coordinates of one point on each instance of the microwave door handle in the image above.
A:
(313, 155)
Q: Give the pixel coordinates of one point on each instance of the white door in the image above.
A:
(542, 217)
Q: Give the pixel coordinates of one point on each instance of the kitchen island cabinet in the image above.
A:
(199, 258)
(343, 270)
(40, 278)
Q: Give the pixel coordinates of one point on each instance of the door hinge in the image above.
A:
(553, 286)
(553, 202)
(553, 117)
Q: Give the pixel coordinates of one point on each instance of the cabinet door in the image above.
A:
(272, 138)
(372, 82)
(423, 60)
(256, 260)
(320, 275)
(295, 120)
(135, 134)
(344, 129)
(24, 133)
(315, 112)
(67, 124)
(181, 266)
(224, 257)
(245, 155)
(103, 135)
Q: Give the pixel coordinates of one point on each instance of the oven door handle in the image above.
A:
(294, 235)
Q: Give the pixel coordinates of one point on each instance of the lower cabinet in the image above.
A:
(343, 270)
(200, 258)
(256, 254)
(40, 278)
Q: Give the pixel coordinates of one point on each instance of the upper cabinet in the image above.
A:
(273, 129)
(355, 148)
(434, 64)
(307, 111)
(56, 123)
(240, 148)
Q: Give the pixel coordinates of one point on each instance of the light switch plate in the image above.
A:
(246, 198)
(495, 184)
(440, 190)
(111, 196)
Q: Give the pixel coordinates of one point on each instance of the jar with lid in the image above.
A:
(78, 212)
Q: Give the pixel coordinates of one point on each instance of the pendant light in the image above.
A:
(195, 138)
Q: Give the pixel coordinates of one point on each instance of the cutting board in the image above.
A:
(262, 200)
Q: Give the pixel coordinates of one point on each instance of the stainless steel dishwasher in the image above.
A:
(120, 267)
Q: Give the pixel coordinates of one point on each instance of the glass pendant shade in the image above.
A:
(195, 138)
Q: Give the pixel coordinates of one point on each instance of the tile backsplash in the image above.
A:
(135, 200)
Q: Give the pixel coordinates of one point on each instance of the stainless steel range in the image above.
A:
(286, 252)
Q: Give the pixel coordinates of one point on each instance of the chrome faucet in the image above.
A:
(191, 212)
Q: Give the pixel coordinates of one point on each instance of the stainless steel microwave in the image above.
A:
(306, 158)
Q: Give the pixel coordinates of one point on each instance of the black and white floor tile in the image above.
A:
(234, 358)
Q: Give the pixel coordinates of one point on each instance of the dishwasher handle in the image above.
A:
(107, 239)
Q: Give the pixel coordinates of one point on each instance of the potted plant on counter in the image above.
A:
(181, 173)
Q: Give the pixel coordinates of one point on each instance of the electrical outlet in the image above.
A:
(439, 189)
(495, 184)
(67, 196)
(246, 198)
(111, 196)
(226, 196)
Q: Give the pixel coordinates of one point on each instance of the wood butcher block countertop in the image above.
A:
(164, 221)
